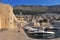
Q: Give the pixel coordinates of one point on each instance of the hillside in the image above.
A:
(34, 9)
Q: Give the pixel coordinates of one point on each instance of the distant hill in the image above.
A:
(36, 9)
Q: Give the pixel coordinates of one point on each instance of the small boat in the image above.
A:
(43, 34)
(35, 31)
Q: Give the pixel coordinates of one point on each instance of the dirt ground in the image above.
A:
(14, 35)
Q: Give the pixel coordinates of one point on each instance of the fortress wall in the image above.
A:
(7, 16)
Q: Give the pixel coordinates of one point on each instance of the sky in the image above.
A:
(31, 2)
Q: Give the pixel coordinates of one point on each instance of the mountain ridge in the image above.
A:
(37, 8)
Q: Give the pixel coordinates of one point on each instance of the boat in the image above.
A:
(37, 32)
(40, 31)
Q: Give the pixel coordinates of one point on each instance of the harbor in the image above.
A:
(17, 25)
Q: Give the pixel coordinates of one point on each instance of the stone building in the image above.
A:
(21, 20)
(7, 17)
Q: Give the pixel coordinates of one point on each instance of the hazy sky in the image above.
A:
(32, 2)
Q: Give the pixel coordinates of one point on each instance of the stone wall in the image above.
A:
(7, 17)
